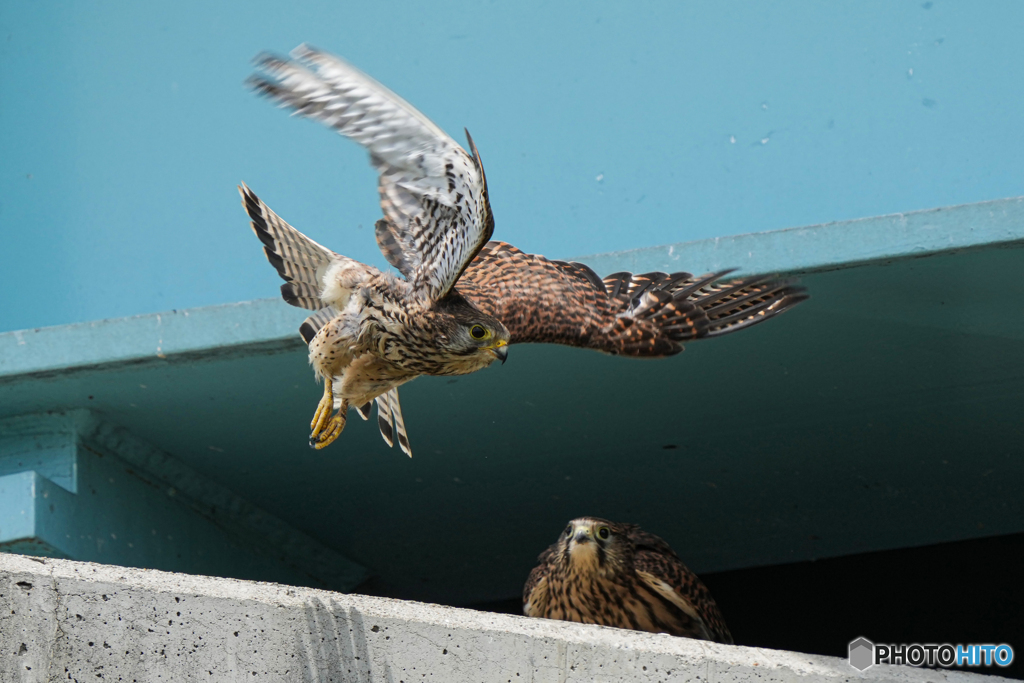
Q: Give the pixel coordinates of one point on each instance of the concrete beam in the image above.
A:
(831, 246)
(74, 486)
(270, 326)
(76, 621)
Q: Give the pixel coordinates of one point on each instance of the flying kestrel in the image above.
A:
(460, 299)
(600, 572)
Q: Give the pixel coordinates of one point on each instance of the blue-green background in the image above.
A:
(603, 126)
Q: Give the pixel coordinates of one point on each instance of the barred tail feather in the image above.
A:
(384, 421)
(389, 416)
(403, 436)
(391, 422)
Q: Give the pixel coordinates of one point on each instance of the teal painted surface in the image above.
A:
(136, 512)
(47, 445)
(21, 497)
(882, 413)
(604, 126)
(266, 326)
(18, 507)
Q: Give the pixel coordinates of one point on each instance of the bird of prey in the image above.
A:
(600, 572)
(460, 299)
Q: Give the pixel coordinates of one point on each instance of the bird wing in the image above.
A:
(659, 566)
(650, 314)
(302, 264)
(534, 600)
(433, 193)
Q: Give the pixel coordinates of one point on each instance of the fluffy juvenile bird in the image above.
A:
(600, 572)
(460, 299)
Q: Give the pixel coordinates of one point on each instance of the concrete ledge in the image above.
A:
(77, 621)
(265, 326)
(832, 246)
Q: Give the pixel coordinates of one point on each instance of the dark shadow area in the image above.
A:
(968, 592)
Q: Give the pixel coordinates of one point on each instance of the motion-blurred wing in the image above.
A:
(433, 193)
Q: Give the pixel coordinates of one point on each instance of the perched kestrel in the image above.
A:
(600, 572)
(461, 299)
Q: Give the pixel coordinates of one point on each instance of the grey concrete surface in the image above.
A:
(72, 621)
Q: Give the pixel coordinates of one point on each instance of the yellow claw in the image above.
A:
(332, 431)
(323, 410)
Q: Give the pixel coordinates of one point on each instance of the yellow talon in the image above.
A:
(323, 410)
(332, 431)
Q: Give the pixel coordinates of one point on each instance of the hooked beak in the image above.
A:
(501, 352)
(582, 536)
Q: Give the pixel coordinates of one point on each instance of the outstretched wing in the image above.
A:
(433, 193)
(560, 302)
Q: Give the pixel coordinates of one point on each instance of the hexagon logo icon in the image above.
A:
(862, 654)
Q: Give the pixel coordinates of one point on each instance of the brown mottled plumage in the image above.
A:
(373, 331)
(648, 315)
(600, 572)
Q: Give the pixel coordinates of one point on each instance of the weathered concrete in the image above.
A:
(63, 620)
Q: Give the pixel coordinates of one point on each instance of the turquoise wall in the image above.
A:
(603, 126)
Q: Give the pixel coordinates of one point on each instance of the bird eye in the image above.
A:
(568, 530)
(603, 533)
(478, 332)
